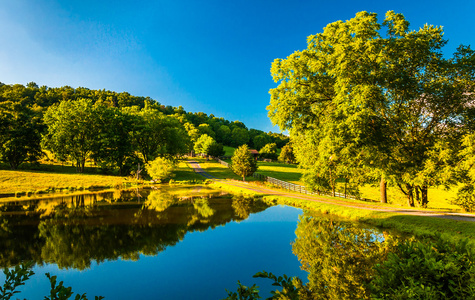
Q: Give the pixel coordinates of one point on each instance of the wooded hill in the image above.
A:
(115, 130)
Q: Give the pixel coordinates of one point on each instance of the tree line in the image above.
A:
(115, 130)
(375, 101)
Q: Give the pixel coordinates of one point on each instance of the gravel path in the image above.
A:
(267, 191)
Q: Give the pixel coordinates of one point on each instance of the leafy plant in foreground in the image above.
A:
(426, 270)
(14, 278)
(17, 276)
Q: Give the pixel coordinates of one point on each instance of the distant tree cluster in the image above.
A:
(369, 101)
(115, 130)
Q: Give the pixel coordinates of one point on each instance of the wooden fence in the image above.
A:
(222, 162)
(290, 186)
(298, 188)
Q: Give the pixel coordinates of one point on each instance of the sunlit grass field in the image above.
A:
(55, 177)
(439, 198)
(285, 172)
(218, 170)
(35, 181)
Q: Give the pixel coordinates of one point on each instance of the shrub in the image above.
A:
(160, 169)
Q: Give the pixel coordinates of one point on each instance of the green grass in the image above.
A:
(418, 226)
(39, 181)
(185, 173)
(218, 170)
(285, 172)
(228, 151)
(439, 198)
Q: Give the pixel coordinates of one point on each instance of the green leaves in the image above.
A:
(244, 293)
(382, 102)
(243, 162)
(426, 270)
(160, 168)
(21, 273)
(14, 278)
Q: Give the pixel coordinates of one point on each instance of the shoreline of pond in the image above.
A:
(417, 225)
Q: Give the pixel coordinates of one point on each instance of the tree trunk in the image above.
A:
(416, 196)
(243, 178)
(410, 195)
(383, 192)
(346, 180)
(424, 199)
(83, 163)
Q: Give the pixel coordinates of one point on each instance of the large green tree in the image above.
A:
(269, 151)
(20, 133)
(155, 134)
(114, 147)
(71, 131)
(377, 90)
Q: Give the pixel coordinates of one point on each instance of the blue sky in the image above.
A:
(210, 56)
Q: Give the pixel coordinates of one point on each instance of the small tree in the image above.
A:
(203, 144)
(160, 168)
(287, 154)
(269, 151)
(243, 162)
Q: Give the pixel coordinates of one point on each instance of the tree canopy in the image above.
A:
(243, 162)
(375, 96)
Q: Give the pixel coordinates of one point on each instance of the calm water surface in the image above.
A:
(180, 243)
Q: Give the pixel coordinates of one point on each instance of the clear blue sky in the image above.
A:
(210, 56)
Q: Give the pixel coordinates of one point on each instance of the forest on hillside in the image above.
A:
(115, 130)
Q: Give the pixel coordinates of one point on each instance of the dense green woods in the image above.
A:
(115, 130)
(369, 101)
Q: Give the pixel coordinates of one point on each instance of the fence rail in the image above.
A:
(222, 162)
(290, 186)
(298, 188)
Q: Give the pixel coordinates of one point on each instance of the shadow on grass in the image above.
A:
(60, 169)
(286, 176)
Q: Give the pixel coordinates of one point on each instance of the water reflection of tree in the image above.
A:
(159, 201)
(242, 206)
(76, 232)
(339, 257)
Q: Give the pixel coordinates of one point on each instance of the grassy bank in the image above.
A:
(20, 182)
(439, 198)
(418, 226)
(28, 182)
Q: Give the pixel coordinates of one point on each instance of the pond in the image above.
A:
(162, 243)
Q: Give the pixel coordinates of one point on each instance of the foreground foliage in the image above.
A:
(17, 276)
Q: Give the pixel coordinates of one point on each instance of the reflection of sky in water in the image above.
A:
(201, 266)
